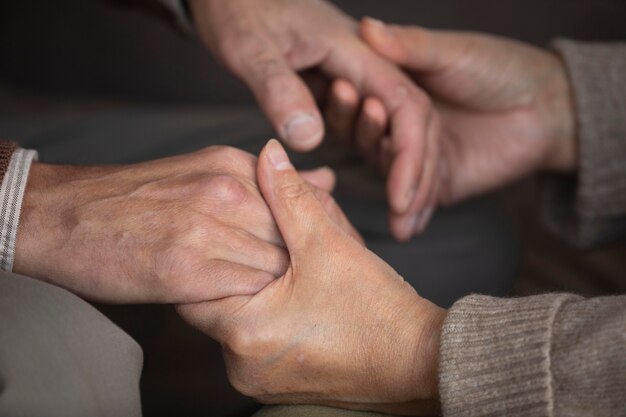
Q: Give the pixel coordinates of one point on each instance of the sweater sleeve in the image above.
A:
(591, 208)
(549, 355)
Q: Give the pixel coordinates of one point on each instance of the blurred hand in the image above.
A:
(339, 328)
(266, 42)
(505, 108)
(182, 229)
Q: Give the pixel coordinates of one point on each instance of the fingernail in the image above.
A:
(304, 129)
(425, 217)
(409, 197)
(277, 156)
(414, 222)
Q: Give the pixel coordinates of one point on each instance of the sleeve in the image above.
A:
(591, 208)
(15, 165)
(549, 355)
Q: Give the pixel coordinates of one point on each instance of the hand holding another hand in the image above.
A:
(267, 43)
(339, 328)
(182, 229)
(504, 108)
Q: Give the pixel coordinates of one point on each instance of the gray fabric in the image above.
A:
(61, 357)
(555, 355)
(591, 208)
(549, 355)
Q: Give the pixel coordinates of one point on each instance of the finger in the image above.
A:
(411, 46)
(300, 216)
(213, 318)
(337, 215)
(217, 279)
(428, 213)
(241, 247)
(341, 110)
(371, 127)
(317, 83)
(323, 178)
(407, 107)
(385, 157)
(281, 93)
(404, 224)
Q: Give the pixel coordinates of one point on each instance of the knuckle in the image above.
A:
(223, 188)
(240, 47)
(295, 191)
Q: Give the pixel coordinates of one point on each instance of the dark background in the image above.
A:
(87, 47)
(68, 50)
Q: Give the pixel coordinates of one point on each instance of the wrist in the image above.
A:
(429, 345)
(42, 224)
(422, 369)
(31, 233)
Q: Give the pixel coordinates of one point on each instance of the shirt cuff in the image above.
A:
(11, 197)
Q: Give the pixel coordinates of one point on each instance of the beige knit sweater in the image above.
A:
(555, 354)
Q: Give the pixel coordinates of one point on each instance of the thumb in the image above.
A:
(412, 47)
(300, 216)
(322, 178)
(281, 93)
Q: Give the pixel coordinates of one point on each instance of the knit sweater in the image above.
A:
(555, 354)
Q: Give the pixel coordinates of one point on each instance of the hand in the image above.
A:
(339, 328)
(505, 107)
(182, 229)
(265, 42)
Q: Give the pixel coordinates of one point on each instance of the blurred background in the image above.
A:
(69, 69)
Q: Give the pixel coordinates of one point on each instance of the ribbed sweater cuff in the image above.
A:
(495, 357)
(591, 208)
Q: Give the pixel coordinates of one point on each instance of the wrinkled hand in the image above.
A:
(339, 328)
(265, 43)
(182, 229)
(505, 108)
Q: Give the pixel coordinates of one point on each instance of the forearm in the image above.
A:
(545, 355)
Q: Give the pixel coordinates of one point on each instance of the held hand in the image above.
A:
(505, 107)
(339, 328)
(183, 229)
(266, 42)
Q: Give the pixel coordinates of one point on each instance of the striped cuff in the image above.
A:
(11, 196)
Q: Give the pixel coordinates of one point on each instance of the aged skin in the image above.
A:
(182, 229)
(266, 43)
(339, 328)
(504, 108)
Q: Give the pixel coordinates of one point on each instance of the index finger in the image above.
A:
(408, 107)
